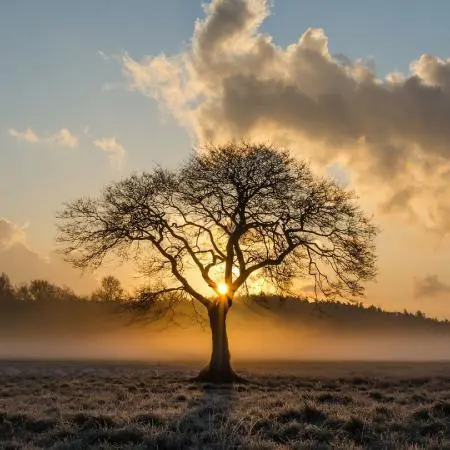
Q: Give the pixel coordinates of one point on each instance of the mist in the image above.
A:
(253, 337)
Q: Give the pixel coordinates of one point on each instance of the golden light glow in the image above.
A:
(259, 285)
(222, 288)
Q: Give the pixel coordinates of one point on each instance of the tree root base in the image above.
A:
(208, 375)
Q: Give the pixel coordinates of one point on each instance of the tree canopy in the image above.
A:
(227, 213)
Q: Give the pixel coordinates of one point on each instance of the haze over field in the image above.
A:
(251, 345)
(68, 328)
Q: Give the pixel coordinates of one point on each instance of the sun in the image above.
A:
(222, 288)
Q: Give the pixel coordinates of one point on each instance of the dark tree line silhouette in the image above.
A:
(41, 307)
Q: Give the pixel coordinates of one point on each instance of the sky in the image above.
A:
(94, 90)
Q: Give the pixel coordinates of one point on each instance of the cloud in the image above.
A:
(233, 81)
(115, 151)
(28, 135)
(23, 264)
(112, 85)
(62, 138)
(11, 234)
(430, 286)
(103, 55)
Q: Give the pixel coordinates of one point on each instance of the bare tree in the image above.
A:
(110, 290)
(227, 214)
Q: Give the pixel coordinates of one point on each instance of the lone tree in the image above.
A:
(228, 213)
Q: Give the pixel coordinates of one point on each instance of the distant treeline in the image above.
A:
(44, 308)
(347, 316)
(40, 307)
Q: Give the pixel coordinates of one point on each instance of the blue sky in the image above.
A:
(393, 32)
(54, 77)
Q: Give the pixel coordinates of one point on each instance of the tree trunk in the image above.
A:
(219, 368)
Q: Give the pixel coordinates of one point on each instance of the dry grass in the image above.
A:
(147, 406)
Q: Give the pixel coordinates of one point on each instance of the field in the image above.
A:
(80, 405)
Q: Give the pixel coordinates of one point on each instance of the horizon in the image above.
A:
(240, 298)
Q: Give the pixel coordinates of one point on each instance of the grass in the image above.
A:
(149, 406)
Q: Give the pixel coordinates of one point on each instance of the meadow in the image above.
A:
(302, 405)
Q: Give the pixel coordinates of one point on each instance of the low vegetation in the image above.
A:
(303, 406)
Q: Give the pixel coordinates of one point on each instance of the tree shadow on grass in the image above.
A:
(208, 422)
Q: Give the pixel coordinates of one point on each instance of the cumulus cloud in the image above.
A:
(115, 151)
(62, 138)
(23, 264)
(430, 286)
(234, 81)
(28, 135)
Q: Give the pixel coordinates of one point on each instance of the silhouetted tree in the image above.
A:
(420, 314)
(110, 290)
(6, 288)
(42, 290)
(227, 214)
